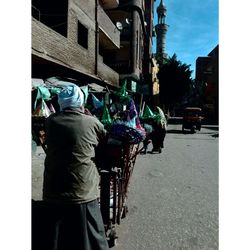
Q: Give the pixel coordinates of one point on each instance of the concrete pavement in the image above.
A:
(38, 156)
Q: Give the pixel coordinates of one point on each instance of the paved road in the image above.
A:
(173, 197)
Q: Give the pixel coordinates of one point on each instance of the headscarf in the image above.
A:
(163, 120)
(71, 96)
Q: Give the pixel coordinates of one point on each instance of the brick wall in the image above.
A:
(52, 46)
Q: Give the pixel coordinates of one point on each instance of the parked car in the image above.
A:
(192, 118)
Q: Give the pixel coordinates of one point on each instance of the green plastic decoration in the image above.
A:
(106, 119)
(122, 92)
(55, 90)
(148, 113)
(42, 93)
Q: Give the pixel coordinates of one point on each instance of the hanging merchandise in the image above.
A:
(148, 113)
(96, 103)
(42, 93)
(124, 133)
(106, 119)
(85, 90)
(51, 108)
(122, 92)
(36, 82)
(132, 112)
(131, 123)
(55, 90)
(132, 117)
(42, 110)
(128, 130)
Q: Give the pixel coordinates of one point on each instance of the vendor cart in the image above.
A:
(120, 161)
(115, 159)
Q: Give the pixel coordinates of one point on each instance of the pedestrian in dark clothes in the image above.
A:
(159, 131)
(148, 129)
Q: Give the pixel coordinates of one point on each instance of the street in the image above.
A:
(173, 196)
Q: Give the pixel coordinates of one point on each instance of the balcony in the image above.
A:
(107, 73)
(109, 4)
(122, 66)
(51, 46)
(109, 34)
(126, 33)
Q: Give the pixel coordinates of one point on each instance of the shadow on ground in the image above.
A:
(180, 132)
(215, 135)
(211, 127)
(175, 131)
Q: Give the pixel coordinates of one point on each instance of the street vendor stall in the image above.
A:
(116, 158)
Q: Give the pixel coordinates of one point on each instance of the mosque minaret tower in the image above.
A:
(161, 30)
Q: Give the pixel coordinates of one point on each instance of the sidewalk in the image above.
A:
(38, 157)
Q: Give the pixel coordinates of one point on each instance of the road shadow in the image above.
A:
(215, 135)
(175, 131)
(216, 128)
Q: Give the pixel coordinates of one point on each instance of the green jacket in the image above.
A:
(70, 174)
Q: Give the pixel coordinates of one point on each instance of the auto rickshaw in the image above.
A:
(192, 119)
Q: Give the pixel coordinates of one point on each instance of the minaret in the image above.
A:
(161, 30)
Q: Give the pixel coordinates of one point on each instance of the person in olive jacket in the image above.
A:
(71, 179)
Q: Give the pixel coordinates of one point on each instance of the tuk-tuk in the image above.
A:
(192, 118)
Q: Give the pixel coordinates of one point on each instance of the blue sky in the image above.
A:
(193, 29)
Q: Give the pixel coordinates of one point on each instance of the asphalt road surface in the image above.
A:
(173, 196)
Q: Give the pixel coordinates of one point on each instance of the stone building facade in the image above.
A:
(66, 39)
(102, 41)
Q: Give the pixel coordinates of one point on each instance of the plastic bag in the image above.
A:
(42, 93)
(96, 103)
(42, 110)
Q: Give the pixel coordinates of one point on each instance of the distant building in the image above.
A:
(207, 81)
(132, 60)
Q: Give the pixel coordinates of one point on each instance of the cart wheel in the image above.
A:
(112, 238)
(125, 211)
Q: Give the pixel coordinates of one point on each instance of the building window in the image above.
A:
(53, 15)
(82, 37)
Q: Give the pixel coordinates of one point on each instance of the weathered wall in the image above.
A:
(52, 46)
